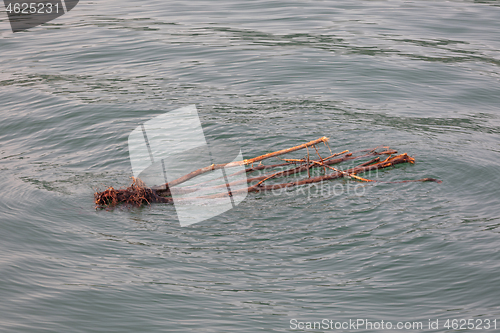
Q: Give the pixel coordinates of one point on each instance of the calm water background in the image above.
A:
(421, 77)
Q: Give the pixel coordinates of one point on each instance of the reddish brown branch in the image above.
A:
(284, 173)
(365, 167)
(403, 158)
(138, 194)
(244, 162)
(165, 190)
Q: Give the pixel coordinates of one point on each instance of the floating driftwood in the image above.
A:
(138, 193)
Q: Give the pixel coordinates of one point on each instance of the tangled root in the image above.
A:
(136, 194)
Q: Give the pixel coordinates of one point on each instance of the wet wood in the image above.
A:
(166, 191)
(284, 173)
(259, 187)
(212, 167)
(138, 194)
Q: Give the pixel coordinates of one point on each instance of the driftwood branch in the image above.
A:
(139, 194)
(391, 161)
(165, 190)
(244, 162)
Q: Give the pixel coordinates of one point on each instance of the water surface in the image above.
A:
(421, 77)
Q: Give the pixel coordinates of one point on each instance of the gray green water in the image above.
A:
(421, 77)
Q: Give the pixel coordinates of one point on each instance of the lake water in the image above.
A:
(421, 77)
